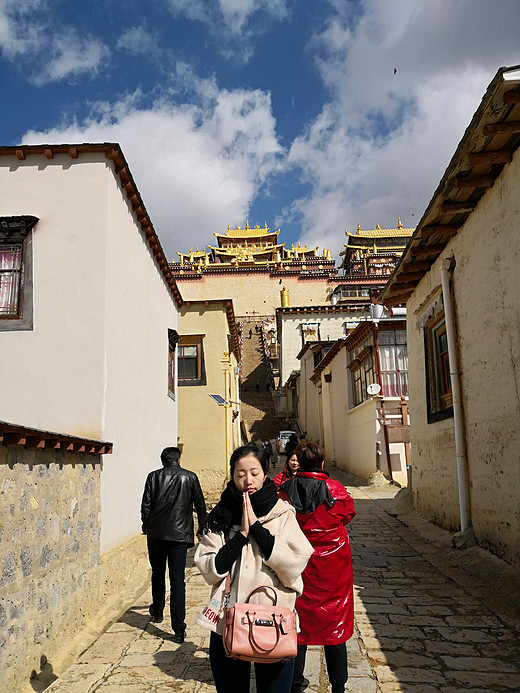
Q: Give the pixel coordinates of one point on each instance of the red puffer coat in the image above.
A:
(323, 508)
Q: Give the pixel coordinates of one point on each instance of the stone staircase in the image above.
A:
(258, 412)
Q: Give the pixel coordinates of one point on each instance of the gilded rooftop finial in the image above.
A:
(247, 223)
(359, 227)
(399, 225)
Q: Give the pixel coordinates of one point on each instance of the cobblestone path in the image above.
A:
(428, 618)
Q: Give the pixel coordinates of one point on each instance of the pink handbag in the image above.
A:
(259, 633)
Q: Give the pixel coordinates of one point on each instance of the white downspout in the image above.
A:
(460, 445)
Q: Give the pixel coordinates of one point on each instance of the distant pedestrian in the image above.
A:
(250, 333)
(326, 610)
(257, 385)
(268, 452)
(167, 516)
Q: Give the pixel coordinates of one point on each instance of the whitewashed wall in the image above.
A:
(332, 327)
(95, 364)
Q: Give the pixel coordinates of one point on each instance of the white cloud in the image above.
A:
(191, 163)
(45, 51)
(139, 41)
(379, 147)
(234, 14)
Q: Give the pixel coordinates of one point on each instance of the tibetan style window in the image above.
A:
(190, 360)
(16, 273)
(393, 361)
(361, 367)
(173, 338)
(310, 332)
(438, 381)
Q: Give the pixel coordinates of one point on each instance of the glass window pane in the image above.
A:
(400, 337)
(389, 385)
(9, 292)
(403, 379)
(402, 357)
(188, 351)
(387, 337)
(387, 358)
(189, 369)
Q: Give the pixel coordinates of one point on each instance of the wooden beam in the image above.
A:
(414, 266)
(401, 297)
(35, 442)
(512, 96)
(426, 250)
(73, 152)
(14, 439)
(501, 128)
(48, 153)
(440, 230)
(499, 156)
(411, 276)
(456, 207)
(473, 182)
(399, 288)
(20, 154)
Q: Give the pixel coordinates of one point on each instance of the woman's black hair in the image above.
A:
(310, 455)
(244, 451)
(288, 457)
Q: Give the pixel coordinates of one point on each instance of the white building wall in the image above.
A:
(52, 376)
(332, 327)
(138, 414)
(95, 364)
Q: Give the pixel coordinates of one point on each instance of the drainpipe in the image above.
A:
(332, 445)
(465, 537)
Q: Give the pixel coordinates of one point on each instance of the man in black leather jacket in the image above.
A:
(167, 516)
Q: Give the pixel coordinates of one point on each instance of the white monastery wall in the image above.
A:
(486, 290)
(332, 327)
(138, 414)
(95, 364)
(52, 376)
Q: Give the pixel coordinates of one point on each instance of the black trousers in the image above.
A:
(337, 668)
(160, 551)
(235, 675)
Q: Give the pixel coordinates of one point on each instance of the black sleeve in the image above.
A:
(263, 538)
(229, 553)
(146, 503)
(200, 504)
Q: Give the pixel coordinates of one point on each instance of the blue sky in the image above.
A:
(288, 112)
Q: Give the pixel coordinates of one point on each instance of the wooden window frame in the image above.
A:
(17, 231)
(192, 340)
(439, 400)
(173, 339)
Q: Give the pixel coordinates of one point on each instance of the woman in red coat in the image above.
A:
(326, 610)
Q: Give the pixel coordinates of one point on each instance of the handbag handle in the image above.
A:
(263, 587)
(252, 634)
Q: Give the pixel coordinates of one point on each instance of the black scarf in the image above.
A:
(228, 510)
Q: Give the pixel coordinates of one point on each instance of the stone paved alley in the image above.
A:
(428, 618)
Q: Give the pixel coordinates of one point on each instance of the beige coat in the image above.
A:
(283, 570)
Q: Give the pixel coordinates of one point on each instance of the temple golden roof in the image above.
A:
(249, 249)
(247, 232)
(378, 232)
